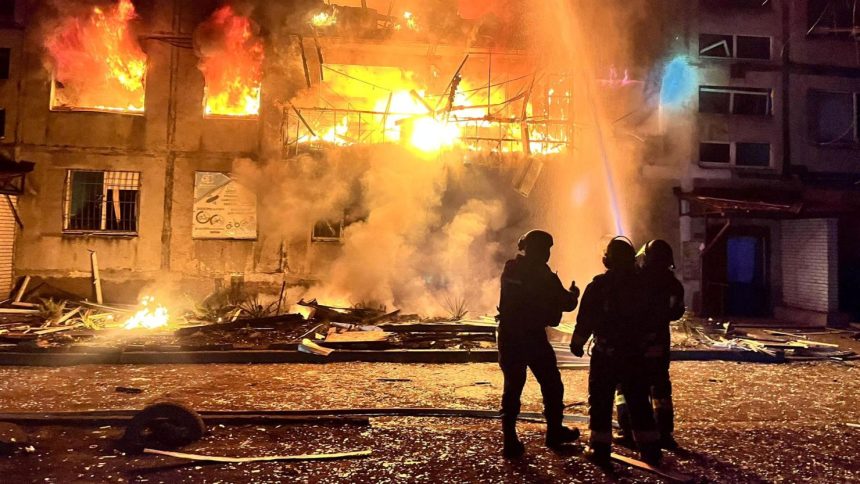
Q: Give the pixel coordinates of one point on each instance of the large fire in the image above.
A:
(390, 105)
(231, 60)
(97, 61)
(151, 316)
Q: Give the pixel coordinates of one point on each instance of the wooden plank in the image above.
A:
(97, 282)
(662, 472)
(358, 337)
(310, 347)
(438, 327)
(22, 289)
(68, 315)
(56, 329)
(19, 311)
(239, 460)
(24, 305)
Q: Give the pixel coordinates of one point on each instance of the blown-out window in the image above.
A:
(743, 154)
(747, 101)
(101, 201)
(734, 46)
(328, 231)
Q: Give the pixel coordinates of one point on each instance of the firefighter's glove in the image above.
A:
(574, 290)
(577, 349)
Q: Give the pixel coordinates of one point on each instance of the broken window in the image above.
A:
(832, 17)
(747, 101)
(715, 152)
(5, 59)
(97, 61)
(749, 47)
(833, 117)
(739, 154)
(328, 231)
(715, 45)
(101, 201)
(714, 101)
(752, 154)
(734, 46)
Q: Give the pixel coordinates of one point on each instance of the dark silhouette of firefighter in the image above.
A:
(614, 311)
(666, 298)
(532, 298)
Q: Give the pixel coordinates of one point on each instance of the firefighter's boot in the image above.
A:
(599, 454)
(624, 436)
(664, 414)
(512, 447)
(557, 435)
(651, 454)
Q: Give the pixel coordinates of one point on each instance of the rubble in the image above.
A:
(227, 323)
(785, 345)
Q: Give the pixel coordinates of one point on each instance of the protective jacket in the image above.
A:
(613, 308)
(532, 297)
(666, 303)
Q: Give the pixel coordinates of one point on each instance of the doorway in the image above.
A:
(735, 272)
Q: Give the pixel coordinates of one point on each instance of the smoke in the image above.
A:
(419, 233)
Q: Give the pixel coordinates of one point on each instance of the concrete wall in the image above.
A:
(167, 143)
(717, 72)
(810, 264)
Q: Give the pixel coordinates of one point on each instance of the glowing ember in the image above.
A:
(411, 23)
(148, 317)
(324, 19)
(231, 60)
(97, 61)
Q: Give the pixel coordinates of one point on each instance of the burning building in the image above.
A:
(362, 151)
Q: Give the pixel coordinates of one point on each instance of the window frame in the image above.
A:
(813, 29)
(853, 143)
(734, 47)
(733, 91)
(68, 196)
(733, 159)
(323, 239)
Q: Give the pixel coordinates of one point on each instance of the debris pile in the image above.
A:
(225, 321)
(790, 345)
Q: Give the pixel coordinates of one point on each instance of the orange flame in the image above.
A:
(400, 109)
(148, 317)
(97, 62)
(232, 69)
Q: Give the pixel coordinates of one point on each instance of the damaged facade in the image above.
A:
(136, 177)
(769, 204)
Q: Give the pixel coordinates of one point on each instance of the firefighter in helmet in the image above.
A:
(532, 298)
(613, 310)
(666, 298)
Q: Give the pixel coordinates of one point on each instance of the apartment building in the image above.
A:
(770, 203)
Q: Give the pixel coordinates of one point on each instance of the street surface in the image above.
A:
(739, 422)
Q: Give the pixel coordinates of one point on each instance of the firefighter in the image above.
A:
(532, 298)
(666, 297)
(614, 312)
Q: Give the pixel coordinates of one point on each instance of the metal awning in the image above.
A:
(763, 203)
